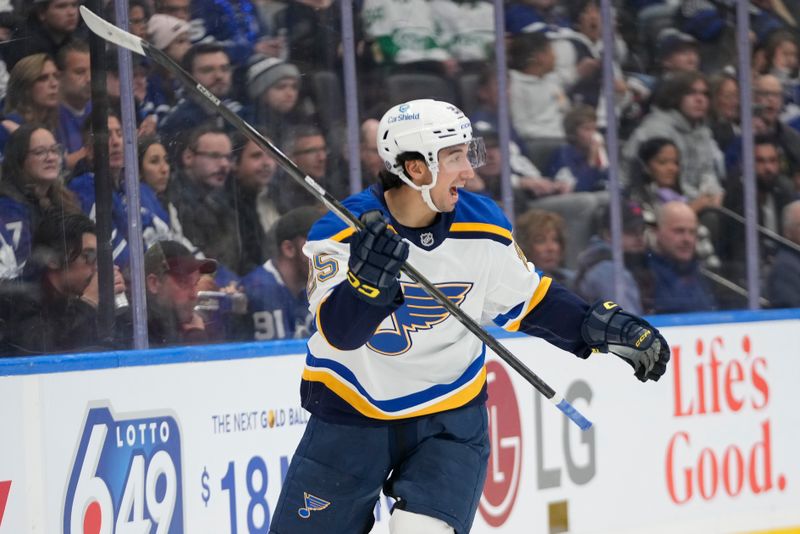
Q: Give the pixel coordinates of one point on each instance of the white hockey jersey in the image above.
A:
(419, 360)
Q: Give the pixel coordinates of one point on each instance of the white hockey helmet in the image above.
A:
(425, 126)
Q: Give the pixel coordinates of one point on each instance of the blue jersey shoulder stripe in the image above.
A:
(331, 226)
(399, 403)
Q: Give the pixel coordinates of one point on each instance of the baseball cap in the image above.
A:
(671, 40)
(163, 29)
(263, 72)
(174, 258)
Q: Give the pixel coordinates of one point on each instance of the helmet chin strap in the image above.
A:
(425, 190)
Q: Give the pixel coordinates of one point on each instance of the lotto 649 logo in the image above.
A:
(126, 477)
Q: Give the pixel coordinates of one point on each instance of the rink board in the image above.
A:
(197, 440)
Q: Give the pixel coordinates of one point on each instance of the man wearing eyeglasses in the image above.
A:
(769, 104)
(306, 146)
(52, 308)
(200, 196)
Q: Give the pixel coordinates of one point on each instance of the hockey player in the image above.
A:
(395, 385)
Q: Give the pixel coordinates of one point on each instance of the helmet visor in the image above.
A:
(459, 158)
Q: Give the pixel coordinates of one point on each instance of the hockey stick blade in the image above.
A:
(111, 33)
(119, 37)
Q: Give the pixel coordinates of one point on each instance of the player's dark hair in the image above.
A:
(390, 180)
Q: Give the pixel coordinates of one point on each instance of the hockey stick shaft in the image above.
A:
(122, 38)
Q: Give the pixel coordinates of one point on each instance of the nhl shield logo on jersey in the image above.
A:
(312, 503)
(419, 312)
(426, 239)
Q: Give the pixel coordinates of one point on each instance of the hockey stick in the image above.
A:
(119, 37)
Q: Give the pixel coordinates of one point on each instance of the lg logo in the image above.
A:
(579, 472)
(505, 460)
(556, 452)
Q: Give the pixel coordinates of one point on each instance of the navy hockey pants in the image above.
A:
(433, 465)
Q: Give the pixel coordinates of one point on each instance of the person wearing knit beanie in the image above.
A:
(169, 34)
(264, 73)
(273, 87)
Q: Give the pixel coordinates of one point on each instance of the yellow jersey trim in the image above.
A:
(357, 401)
(347, 232)
(481, 227)
(344, 234)
(538, 295)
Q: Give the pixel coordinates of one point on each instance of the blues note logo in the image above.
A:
(312, 504)
(419, 312)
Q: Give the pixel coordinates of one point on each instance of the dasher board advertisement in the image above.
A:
(198, 440)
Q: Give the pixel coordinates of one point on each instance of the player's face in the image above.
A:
(455, 170)
(155, 167)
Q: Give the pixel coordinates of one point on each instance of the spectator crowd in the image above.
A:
(224, 227)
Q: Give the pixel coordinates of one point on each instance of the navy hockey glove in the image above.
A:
(608, 328)
(376, 255)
